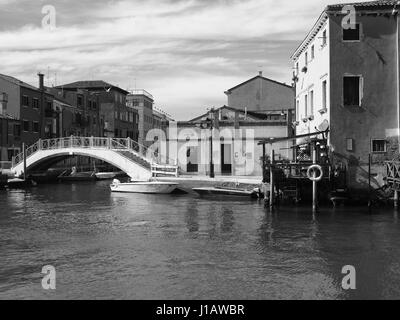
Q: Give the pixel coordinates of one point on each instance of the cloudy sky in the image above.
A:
(185, 52)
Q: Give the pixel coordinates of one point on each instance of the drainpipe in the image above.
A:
(398, 81)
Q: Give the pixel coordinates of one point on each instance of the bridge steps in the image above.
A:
(132, 156)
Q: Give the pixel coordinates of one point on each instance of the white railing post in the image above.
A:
(40, 144)
(109, 143)
(91, 142)
(71, 141)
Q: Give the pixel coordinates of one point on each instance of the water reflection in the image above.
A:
(185, 247)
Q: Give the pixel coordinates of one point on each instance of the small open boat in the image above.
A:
(151, 187)
(77, 176)
(226, 191)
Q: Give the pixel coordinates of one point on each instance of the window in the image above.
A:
(324, 94)
(352, 34)
(349, 144)
(297, 68)
(49, 105)
(378, 145)
(324, 39)
(25, 101)
(312, 52)
(311, 102)
(305, 105)
(35, 127)
(352, 91)
(306, 59)
(297, 110)
(35, 103)
(26, 126)
(80, 101)
(12, 152)
(17, 130)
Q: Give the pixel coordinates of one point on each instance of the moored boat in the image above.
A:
(17, 183)
(150, 187)
(224, 191)
(78, 176)
(106, 175)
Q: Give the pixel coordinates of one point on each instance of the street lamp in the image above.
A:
(209, 124)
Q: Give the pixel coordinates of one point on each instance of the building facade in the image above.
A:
(261, 94)
(26, 104)
(142, 101)
(104, 104)
(347, 80)
(236, 134)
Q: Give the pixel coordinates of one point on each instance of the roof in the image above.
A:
(260, 116)
(17, 82)
(91, 84)
(366, 5)
(257, 77)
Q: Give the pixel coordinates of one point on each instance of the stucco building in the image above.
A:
(235, 137)
(261, 94)
(347, 79)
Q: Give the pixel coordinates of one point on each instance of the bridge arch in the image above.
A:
(124, 154)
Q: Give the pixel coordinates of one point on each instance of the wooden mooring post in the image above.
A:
(314, 183)
(24, 155)
(271, 180)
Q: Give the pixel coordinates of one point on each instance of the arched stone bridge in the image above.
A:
(139, 162)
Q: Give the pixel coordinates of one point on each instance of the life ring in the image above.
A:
(310, 172)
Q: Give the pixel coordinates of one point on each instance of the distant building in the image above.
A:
(261, 94)
(78, 113)
(347, 80)
(142, 101)
(112, 109)
(10, 132)
(10, 137)
(240, 158)
(26, 104)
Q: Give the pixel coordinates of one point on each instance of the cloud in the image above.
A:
(186, 52)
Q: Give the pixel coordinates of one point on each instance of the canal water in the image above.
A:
(131, 246)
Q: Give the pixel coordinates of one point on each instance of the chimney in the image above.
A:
(260, 73)
(41, 81)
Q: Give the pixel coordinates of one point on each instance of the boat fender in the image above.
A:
(315, 168)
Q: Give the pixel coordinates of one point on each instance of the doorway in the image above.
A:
(192, 162)
(226, 159)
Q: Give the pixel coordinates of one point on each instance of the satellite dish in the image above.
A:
(324, 126)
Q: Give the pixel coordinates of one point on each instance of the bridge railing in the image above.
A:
(393, 174)
(147, 153)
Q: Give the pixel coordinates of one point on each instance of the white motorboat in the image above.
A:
(152, 187)
(106, 175)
